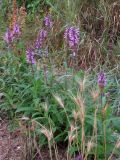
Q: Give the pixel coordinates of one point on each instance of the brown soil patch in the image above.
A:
(10, 146)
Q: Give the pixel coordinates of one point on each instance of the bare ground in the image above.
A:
(12, 146)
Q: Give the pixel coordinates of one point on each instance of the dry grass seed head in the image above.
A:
(118, 144)
(45, 106)
(90, 145)
(72, 135)
(104, 110)
(82, 83)
(75, 115)
(81, 107)
(47, 133)
(94, 95)
(59, 100)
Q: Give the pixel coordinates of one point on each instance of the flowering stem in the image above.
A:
(104, 127)
(101, 97)
(104, 130)
(45, 74)
(32, 69)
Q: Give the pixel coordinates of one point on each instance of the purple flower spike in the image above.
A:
(72, 37)
(47, 21)
(16, 30)
(30, 56)
(79, 157)
(8, 36)
(40, 39)
(102, 80)
(11, 35)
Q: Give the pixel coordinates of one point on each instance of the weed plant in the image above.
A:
(60, 81)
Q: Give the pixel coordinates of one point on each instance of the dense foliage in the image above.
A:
(60, 83)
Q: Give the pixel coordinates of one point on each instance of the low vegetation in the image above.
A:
(59, 77)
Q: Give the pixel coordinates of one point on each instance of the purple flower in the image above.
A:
(72, 37)
(79, 157)
(30, 56)
(8, 36)
(102, 80)
(16, 30)
(47, 21)
(40, 39)
(11, 35)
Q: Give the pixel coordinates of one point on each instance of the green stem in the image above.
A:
(104, 130)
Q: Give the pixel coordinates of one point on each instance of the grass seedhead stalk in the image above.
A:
(116, 145)
(56, 151)
(50, 150)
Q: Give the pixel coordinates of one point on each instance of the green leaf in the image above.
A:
(24, 108)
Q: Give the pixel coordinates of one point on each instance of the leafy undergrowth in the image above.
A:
(71, 108)
(60, 79)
